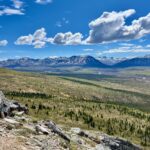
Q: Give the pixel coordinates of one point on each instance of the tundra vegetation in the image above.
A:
(118, 106)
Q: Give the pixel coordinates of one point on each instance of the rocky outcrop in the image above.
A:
(7, 107)
(51, 125)
(87, 135)
(115, 143)
(104, 141)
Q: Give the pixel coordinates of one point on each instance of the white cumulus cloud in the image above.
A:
(3, 43)
(67, 38)
(24, 40)
(111, 26)
(38, 39)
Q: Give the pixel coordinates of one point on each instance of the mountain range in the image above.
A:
(83, 61)
(143, 61)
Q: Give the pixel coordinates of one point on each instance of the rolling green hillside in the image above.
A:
(114, 105)
(80, 86)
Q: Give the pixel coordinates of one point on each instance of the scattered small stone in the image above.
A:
(11, 121)
(42, 129)
(10, 127)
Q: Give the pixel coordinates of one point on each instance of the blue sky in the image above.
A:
(43, 28)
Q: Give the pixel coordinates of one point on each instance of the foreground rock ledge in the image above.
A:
(7, 107)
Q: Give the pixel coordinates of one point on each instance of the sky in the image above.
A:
(53, 28)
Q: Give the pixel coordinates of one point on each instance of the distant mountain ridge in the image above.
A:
(87, 61)
(84, 61)
(143, 61)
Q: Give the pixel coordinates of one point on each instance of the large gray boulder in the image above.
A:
(106, 142)
(7, 106)
(115, 143)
